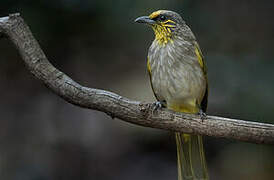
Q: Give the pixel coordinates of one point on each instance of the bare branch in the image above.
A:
(114, 105)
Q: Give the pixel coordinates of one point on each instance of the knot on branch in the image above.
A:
(145, 109)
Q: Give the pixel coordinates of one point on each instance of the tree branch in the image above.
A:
(14, 28)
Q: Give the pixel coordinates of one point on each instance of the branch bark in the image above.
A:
(14, 28)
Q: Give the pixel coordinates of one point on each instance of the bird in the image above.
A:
(178, 77)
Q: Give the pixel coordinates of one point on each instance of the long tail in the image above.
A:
(191, 158)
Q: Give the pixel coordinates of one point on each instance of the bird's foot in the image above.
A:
(202, 114)
(157, 105)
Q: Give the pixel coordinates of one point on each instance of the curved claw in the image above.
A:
(157, 105)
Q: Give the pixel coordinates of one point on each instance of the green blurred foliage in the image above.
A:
(98, 44)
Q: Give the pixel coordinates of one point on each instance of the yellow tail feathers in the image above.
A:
(191, 158)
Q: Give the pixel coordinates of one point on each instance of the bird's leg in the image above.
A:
(202, 114)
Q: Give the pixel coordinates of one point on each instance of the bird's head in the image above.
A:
(166, 24)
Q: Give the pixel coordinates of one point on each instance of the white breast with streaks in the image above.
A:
(176, 75)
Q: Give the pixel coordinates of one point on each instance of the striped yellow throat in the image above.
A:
(179, 81)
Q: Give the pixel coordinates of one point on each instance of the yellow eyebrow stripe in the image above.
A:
(155, 14)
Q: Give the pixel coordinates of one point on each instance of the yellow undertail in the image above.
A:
(191, 158)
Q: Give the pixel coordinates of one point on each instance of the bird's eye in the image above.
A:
(162, 17)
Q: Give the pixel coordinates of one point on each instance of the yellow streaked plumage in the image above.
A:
(162, 34)
(148, 66)
(200, 59)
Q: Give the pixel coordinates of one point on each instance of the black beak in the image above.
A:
(144, 19)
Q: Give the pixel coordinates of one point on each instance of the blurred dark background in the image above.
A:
(97, 43)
